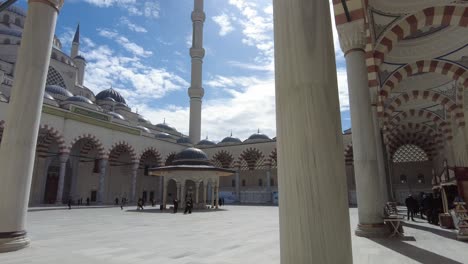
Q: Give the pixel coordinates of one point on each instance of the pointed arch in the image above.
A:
(274, 158)
(91, 142)
(47, 135)
(251, 158)
(147, 153)
(118, 148)
(223, 159)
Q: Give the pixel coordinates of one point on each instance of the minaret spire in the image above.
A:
(76, 38)
(197, 53)
(75, 43)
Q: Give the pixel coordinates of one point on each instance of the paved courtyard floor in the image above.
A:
(235, 235)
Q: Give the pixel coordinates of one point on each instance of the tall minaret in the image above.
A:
(76, 43)
(196, 91)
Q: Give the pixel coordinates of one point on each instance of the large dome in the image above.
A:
(165, 126)
(112, 94)
(184, 140)
(230, 140)
(258, 137)
(58, 90)
(206, 142)
(191, 156)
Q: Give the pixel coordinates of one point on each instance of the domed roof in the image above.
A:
(165, 127)
(79, 99)
(206, 142)
(184, 140)
(116, 115)
(163, 136)
(110, 99)
(48, 96)
(231, 140)
(258, 136)
(112, 94)
(142, 128)
(55, 89)
(143, 119)
(11, 32)
(191, 156)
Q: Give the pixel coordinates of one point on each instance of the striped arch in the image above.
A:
(47, 135)
(169, 159)
(423, 142)
(448, 69)
(149, 152)
(251, 159)
(443, 126)
(439, 98)
(274, 158)
(223, 159)
(440, 16)
(348, 154)
(430, 151)
(2, 126)
(413, 129)
(91, 142)
(118, 149)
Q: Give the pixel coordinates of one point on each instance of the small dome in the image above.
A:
(79, 57)
(145, 129)
(58, 90)
(11, 32)
(79, 99)
(191, 156)
(184, 140)
(165, 127)
(206, 142)
(163, 136)
(48, 96)
(116, 115)
(231, 140)
(258, 136)
(143, 119)
(112, 94)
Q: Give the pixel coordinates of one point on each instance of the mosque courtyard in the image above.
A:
(233, 234)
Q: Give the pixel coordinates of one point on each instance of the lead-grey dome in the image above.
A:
(163, 136)
(145, 129)
(15, 9)
(206, 142)
(191, 156)
(184, 140)
(143, 119)
(116, 115)
(231, 140)
(258, 136)
(48, 96)
(58, 90)
(112, 94)
(165, 127)
(79, 99)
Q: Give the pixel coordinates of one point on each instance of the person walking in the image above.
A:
(69, 203)
(87, 201)
(140, 204)
(410, 203)
(176, 205)
(122, 203)
(188, 207)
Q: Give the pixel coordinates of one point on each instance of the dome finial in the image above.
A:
(258, 131)
(231, 132)
(164, 121)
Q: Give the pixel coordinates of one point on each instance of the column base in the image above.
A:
(372, 230)
(13, 241)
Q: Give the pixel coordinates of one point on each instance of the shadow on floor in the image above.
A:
(439, 232)
(65, 208)
(413, 252)
(170, 211)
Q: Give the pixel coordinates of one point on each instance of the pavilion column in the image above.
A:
(311, 164)
(368, 183)
(380, 155)
(197, 188)
(22, 122)
(217, 194)
(237, 175)
(102, 176)
(268, 179)
(161, 188)
(212, 198)
(182, 195)
(164, 192)
(134, 180)
(205, 191)
(63, 167)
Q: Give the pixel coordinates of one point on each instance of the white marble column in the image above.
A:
(22, 122)
(197, 189)
(313, 205)
(212, 198)
(380, 155)
(63, 167)
(196, 91)
(182, 195)
(368, 184)
(164, 193)
(217, 194)
(238, 184)
(102, 175)
(205, 191)
(268, 179)
(134, 180)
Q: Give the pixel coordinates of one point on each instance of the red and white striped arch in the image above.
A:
(51, 135)
(91, 143)
(439, 98)
(118, 148)
(440, 15)
(148, 153)
(448, 69)
(412, 129)
(348, 154)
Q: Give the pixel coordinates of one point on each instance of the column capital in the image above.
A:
(135, 166)
(56, 4)
(352, 36)
(196, 92)
(63, 157)
(103, 162)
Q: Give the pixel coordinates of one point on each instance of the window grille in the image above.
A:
(54, 78)
(410, 153)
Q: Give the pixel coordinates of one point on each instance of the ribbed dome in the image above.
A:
(165, 127)
(112, 94)
(206, 142)
(191, 156)
(109, 99)
(116, 115)
(79, 99)
(142, 128)
(231, 140)
(11, 32)
(58, 90)
(163, 136)
(184, 140)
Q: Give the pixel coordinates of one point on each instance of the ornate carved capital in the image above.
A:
(56, 4)
(352, 36)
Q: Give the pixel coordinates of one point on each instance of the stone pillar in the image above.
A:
(63, 167)
(238, 184)
(182, 195)
(217, 194)
(23, 118)
(380, 154)
(164, 193)
(368, 184)
(102, 176)
(268, 179)
(205, 191)
(311, 164)
(196, 91)
(197, 188)
(134, 180)
(212, 198)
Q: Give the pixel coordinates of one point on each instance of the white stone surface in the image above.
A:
(238, 234)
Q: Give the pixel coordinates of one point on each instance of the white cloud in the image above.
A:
(125, 42)
(149, 9)
(133, 27)
(224, 22)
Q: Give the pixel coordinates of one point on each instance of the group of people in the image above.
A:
(78, 202)
(428, 205)
(188, 205)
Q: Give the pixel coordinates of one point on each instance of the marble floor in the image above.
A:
(235, 234)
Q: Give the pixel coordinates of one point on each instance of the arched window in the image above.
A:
(421, 178)
(233, 183)
(243, 182)
(410, 153)
(260, 182)
(272, 182)
(54, 78)
(6, 19)
(403, 179)
(18, 22)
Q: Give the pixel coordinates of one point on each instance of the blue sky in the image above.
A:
(140, 47)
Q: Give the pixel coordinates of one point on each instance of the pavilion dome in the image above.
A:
(206, 142)
(191, 156)
(163, 136)
(116, 115)
(184, 140)
(58, 90)
(112, 94)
